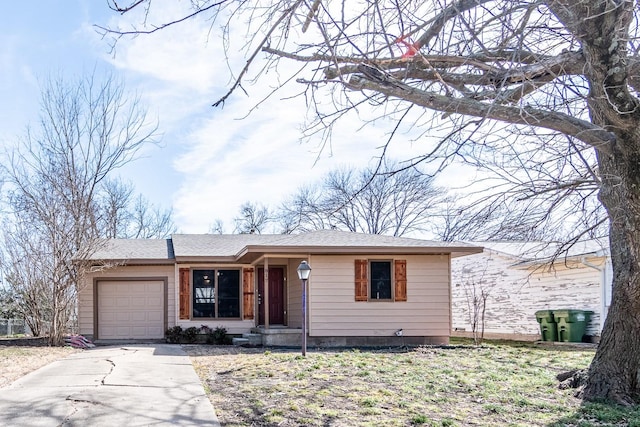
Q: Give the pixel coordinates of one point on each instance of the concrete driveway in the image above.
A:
(137, 385)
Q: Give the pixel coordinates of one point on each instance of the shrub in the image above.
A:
(208, 332)
(173, 335)
(177, 335)
(191, 334)
(220, 335)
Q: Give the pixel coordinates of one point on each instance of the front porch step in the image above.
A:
(240, 341)
(254, 339)
(279, 336)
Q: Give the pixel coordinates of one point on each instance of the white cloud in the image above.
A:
(226, 157)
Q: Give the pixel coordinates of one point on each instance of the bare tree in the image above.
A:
(55, 176)
(497, 217)
(24, 264)
(123, 216)
(477, 291)
(253, 218)
(550, 85)
(217, 227)
(386, 200)
(304, 211)
(149, 221)
(116, 216)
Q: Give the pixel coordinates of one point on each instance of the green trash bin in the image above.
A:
(571, 324)
(548, 327)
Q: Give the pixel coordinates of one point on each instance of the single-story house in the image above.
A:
(521, 278)
(363, 289)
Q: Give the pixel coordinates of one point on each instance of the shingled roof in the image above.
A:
(539, 252)
(248, 247)
(148, 250)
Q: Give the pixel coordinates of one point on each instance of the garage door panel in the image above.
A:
(139, 301)
(123, 333)
(131, 309)
(138, 316)
(106, 316)
(107, 302)
(154, 301)
(156, 331)
(139, 332)
(106, 330)
(155, 317)
(122, 317)
(124, 301)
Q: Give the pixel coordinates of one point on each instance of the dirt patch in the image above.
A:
(17, 361)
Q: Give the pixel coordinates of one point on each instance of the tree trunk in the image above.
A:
(614, 373)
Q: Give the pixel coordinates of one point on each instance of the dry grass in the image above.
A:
(16, 361)
(493, 385)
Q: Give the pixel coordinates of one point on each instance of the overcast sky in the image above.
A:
(210, 160)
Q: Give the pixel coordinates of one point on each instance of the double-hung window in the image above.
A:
(216, 293)
(380, 280)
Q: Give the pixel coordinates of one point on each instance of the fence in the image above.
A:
(12, 327)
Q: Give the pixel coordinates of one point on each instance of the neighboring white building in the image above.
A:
(522, 278)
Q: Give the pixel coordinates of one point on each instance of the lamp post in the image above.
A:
(304, 270)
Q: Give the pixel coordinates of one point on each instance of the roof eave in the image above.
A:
(350, 250)
(133, 261)
(553, 260)
(202, 258)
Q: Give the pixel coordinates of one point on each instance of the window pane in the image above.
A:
(380, 280)
(204, 297)
(228, 293)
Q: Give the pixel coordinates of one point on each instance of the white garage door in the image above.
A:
(130, 309)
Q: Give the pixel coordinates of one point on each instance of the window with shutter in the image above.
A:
(248, 293)
(380, 280)
(400, 273)
(216, 293)
(361, 279)
(184, 293)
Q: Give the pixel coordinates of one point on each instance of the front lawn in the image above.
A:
(492, 385)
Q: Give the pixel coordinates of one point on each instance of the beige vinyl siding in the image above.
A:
(294, 294)
(516, 294)
(86, 294)
(333, 310)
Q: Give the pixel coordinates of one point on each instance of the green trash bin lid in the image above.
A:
(544, 315)
(572, 315)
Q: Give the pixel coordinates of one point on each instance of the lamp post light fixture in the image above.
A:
(304, 270)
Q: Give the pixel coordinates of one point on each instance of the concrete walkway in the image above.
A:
(137, 385)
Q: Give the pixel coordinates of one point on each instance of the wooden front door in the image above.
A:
(276, 296)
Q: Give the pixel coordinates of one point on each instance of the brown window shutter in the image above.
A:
(185, 293)
(400, 269)
(248, 292)
(361, 279)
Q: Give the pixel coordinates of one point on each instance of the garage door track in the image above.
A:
(137, 385)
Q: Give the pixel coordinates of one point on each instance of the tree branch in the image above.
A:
(123, 10)
(260, 47)
(439, 22)
(585, 131)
